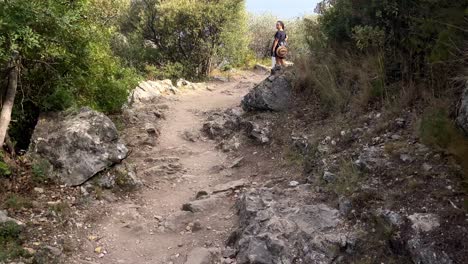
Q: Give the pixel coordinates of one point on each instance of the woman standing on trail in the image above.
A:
(280, 40)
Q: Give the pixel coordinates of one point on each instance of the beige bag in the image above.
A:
(281, 52)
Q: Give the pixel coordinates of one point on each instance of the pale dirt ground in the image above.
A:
(150, 227)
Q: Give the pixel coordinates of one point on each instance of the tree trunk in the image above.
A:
(5, 115)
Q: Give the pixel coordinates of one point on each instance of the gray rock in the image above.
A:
(260, 67)
(151, 129)
(54, 251)
(202, 204)
(462, 118)
(78, 145)
(236, 163)
(391, 217)
(126, 176)
(423, 253)
(301, 143)
(228, 253)
(427, 167)
(345, 206)
(293, 183)
(220, 79)
(148, 91)
(371, 158)
(406, 158)
(184, 84)
(424, 222)
(272, 94)
(47, 255)
(191, 136)
(222, 125)
(228, 145)
(400, 122)
(123, 175)
(106, 180)
(230, 186)
(202, 256)
(258, 132)
(5, 218)
(276, 228)
(177, 221)
(329, 177)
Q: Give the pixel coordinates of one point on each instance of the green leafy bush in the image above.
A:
(14, 201)
(5, 170)
(182, 38)
(10, 241)
(66, 58)
(171, 71)
(40, 170)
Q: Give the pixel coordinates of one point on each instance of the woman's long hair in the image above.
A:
(281, 23)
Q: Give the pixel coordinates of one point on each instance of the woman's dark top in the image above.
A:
(281, 36)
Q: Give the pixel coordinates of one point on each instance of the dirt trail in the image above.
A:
(151, 227)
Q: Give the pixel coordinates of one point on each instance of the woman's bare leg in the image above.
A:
(282, 62)
(279, 62)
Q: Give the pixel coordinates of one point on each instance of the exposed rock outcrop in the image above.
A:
(77, 145)
(276, 228)
(5, 218)
(222, 125)
(148, 91)
(273, 94)
(462, 119)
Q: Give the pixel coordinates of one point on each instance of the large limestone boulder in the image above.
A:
(77, 145)
(148, 91)
(273, 94)
(462, 118)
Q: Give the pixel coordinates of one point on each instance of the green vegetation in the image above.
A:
(10, 242)
(92, 52)
(261, 30)
(182, 38)
(66, 59)
(17, 202)
(390, 54)
(438, 130)
(5, 170)
(40, 170)
(348, 179)
(379, 50)
(293, 156)
(61, 210)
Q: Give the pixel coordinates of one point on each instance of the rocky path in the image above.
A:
(181, 164)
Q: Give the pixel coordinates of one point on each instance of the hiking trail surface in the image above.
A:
(150, 225)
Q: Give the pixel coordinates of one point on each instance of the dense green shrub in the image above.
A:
(66, 58)
(10, 241)
(422, 40)
(183, 38)
(5, 170)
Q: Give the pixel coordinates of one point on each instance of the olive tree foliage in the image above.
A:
(186, 38)
(261, 32)
(262, 29)
(65, 57)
